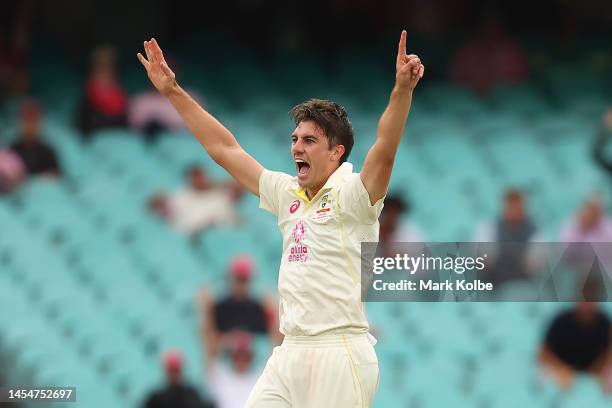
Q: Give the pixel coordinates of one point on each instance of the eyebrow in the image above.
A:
(305, 136)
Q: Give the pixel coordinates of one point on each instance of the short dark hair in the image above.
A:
(330, 117)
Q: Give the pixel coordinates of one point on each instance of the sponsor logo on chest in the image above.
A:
(298, 251)
(324, 210)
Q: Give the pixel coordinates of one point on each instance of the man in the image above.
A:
(198, 205)
(230, 384)
(104, 101)
(590, 225)
(238, 311)
(175, 393)
(38, 157)
(324, 214)
(395, 232)
(578, 341)
(393, 227)
(514, 230)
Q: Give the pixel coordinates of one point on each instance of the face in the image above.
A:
(173, 374)
(30, 128)
(590, 215)
(242, 360)
(240, 287)
(104, 72)
(514, 211)
(314, 159)
(198, 180)
(586, 310)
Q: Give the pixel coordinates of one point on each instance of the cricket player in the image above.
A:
(324, 213)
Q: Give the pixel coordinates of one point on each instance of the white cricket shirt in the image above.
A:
(319, 279)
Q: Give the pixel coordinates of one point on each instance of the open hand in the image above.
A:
(159, 73)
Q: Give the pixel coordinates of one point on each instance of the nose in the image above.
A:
(297, 147)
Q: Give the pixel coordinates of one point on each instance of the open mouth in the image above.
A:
(302, 167)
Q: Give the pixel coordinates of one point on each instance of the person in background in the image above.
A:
(491, 57)
(15, 42)
(578, 341)
(105, 102)
(230, 384)
(175, 394)
(392, 226)
(590, 224)
(12, 171)
(198, 205)
(513, 231)
(588, 236)
(238, 310)
(38, 157)
(150, 113)
(394, 229)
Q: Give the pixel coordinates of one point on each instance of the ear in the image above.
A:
(337, 152)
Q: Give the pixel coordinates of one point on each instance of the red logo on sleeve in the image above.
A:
(294, 206)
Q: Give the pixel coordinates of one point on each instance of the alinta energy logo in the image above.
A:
(299, 251)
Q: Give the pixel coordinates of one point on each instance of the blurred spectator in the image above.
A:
(238, 311)
(175, 394)
(105, 102)
(37, 156)
(513, 232)
(590, 225)
(200, 204)
(490, 58)
(15, 27)
(12, 171)
(151, 113)
(603, 145)
(231, 385)
(578, 341)
(594, 229)
(394, 228)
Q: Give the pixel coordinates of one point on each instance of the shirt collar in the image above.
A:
(333, 181)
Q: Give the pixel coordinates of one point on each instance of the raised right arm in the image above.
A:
(219, 142)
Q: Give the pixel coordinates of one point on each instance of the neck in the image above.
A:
(313, 192)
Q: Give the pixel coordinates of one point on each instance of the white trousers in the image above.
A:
(337, 370)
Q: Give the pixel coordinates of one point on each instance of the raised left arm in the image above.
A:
(378, 164)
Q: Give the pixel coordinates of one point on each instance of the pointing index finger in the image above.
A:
(401, 49)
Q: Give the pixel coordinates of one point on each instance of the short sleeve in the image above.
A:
(355, 200)
(271, 186)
